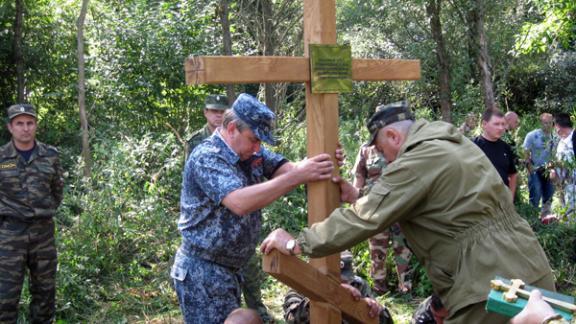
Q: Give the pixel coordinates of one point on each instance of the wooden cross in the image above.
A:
(322, 123)
(510, 295)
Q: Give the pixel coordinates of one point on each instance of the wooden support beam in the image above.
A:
(385, 70)
(315, 285)
(322, 132)
(258, 69)
(245, 69)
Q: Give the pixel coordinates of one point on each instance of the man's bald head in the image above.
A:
(512, 120)
(243, 316)
(547, 120)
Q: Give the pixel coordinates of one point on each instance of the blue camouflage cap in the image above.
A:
(386, 115)
(257, 115)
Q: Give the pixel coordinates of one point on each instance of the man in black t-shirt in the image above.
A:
(499, 152)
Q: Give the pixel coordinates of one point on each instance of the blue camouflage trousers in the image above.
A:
(207, 292)
(27, 245)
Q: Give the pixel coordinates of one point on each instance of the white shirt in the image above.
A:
(565, 153)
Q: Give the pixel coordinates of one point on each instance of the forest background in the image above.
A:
(107, 79)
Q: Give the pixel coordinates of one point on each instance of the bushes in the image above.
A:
(118, 231)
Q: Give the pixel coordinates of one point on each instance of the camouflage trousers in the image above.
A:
(296, 309)
(251, 283)
(378, 251)
(207, 292)
(32, 246)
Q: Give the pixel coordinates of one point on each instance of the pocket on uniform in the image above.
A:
(441, 278)
(178, 273)
(367, 205)
(10, 178)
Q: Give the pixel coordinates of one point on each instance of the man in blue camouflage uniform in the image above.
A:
(223, 190)
(252, 275)
(31, 189)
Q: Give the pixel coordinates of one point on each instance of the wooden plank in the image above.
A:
(247, 69)
(257, 69)
(322, 133)
(381, 70)
(315, 285)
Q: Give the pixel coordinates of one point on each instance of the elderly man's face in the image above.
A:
(388, 142)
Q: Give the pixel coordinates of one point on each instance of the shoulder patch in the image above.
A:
(8, 165)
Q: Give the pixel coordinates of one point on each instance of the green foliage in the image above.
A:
(551, 26)
(117, 231)
(137, 78)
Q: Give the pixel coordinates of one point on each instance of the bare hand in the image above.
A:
(374, 307)
(348, 193)
(535, 312)
(339, 155)
(356, 295)
(277, 240)
(319, 167)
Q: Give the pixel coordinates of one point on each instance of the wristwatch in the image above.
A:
(554, 319)
(290, 246)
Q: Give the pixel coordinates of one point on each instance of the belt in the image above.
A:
(191, 253)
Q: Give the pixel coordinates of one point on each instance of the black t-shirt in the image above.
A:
(27, 154)
(500, 154)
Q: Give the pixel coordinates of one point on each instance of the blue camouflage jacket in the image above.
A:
(210, 230)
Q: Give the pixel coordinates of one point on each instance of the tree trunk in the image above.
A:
(227, 42)
(434, 8)
(268, 48)
(483, 57)
(17, 46)
(86, 156)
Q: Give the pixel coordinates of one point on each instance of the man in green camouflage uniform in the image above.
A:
(31, 189)
(252, 275)
(366, 171)
(214, 108)
(297, 307)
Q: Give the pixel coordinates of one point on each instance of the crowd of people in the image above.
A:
(442, 194)
(547, 155)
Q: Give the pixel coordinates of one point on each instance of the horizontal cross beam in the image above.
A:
(315, 285)
(262, 69)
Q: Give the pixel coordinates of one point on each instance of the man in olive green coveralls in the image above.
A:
(31, 189)
(252, 275)
(452, 206)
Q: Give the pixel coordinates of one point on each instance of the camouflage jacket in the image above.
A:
(368, 166)
(211, 231)
(33, 189)
(197, 137)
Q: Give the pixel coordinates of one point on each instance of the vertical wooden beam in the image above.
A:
(322, 128)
